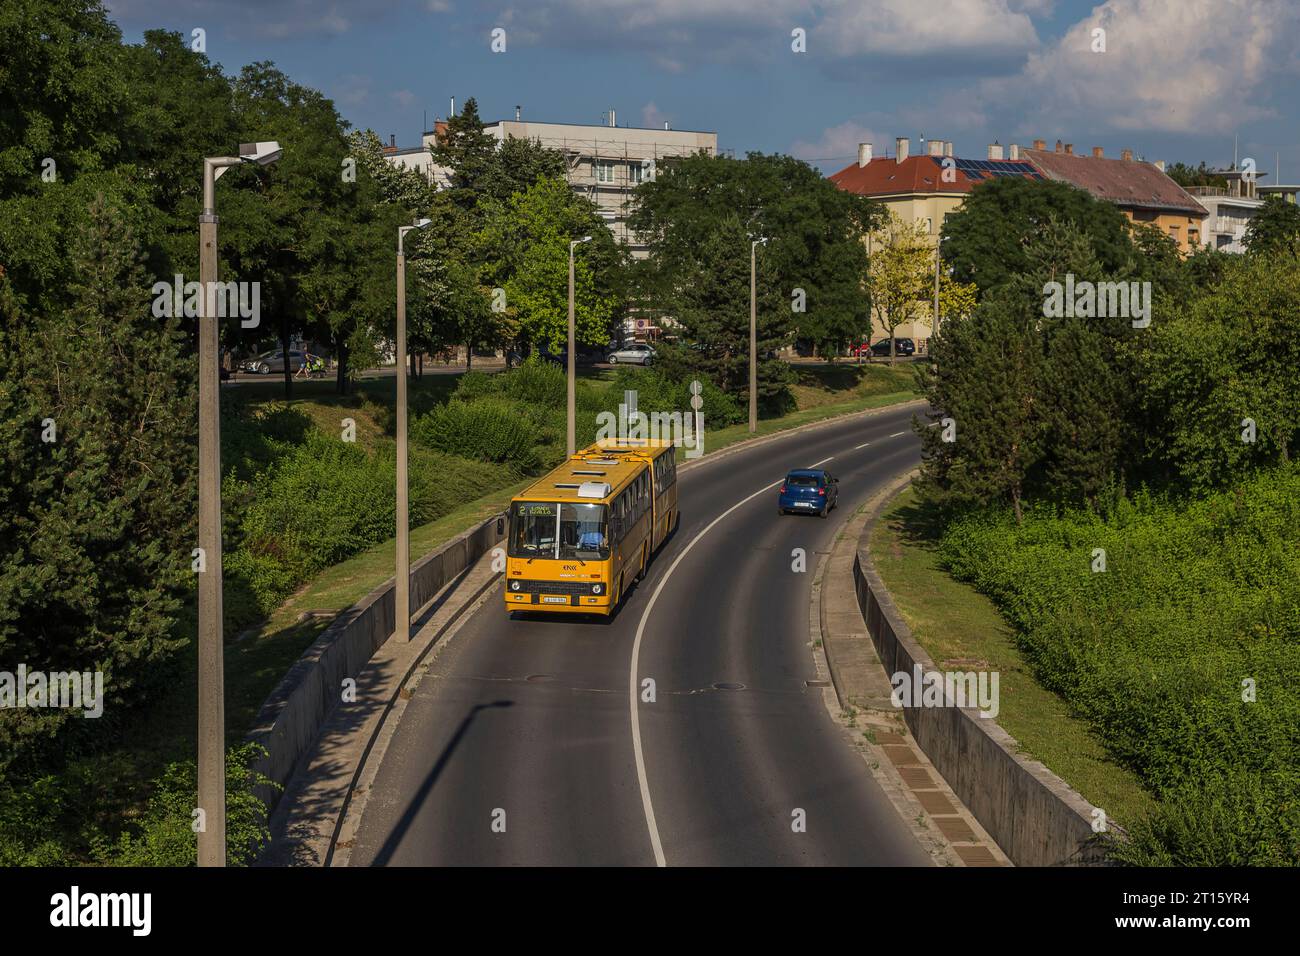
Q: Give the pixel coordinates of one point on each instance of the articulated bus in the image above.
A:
(582, 534)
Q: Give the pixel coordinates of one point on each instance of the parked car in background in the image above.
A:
(901, 347)
(273, 361)
(634, 353)
(586, 355)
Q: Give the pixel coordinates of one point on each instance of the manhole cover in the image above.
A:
(539, 678)
(728, 685)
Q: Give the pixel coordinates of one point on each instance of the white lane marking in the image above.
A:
(863, 445)
(896, 434)
(813, 465)
(633, 691)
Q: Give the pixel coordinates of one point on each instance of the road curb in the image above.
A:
(1036, 817)
(860, 701)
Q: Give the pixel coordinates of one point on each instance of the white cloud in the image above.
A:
(907, 27)
(652, 117)
(840, 143)
(404, 98)
(1196, 66)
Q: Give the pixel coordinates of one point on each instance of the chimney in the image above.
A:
(453, 108)
(1040, 144)
(934, 147)
(613, 117)
(947, 147)
(666, 126)
(518, 112)
(1159, 164)
(1069, 149)
(1058, 146)
(864, 154)
(900, 148)
(1098, 152)
(995, 150)
(392, 140)
(1126, 155)
(1013, 151)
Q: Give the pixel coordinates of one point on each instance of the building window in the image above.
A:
(634, 171)
(604, 171)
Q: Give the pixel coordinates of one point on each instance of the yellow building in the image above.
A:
(1140, 189)
(925, 188)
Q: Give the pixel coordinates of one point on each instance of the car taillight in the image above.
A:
(783, 489)
(822, 492)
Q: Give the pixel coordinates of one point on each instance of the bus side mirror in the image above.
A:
(501, 526)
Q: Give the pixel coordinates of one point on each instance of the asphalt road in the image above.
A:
(535, 718)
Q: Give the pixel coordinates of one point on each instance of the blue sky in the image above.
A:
(1178, 78)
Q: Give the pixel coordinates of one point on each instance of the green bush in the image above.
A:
(483, 429)
(1197, 598)
(328, 500)
(657, 392)
(57, 820)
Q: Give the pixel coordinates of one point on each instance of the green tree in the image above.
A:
(95, 529)
(1275, 229)
(815, 243)
(985, 377)
(900, 277)
(985, 240)
(1235, 355)
(525, 247)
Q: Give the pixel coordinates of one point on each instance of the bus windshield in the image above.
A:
(545, 529)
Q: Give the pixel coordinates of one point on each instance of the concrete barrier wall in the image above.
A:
(1034, 815)
(290, 718)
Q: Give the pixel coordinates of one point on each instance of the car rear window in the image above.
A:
(801, 480)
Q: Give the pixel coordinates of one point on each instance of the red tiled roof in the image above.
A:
(885, 176)
(1124, 182)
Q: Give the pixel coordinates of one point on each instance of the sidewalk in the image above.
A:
(862, 689)
(312, 819)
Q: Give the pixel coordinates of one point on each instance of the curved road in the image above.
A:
(535, 717)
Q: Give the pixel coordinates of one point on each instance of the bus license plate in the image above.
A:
(554, 599)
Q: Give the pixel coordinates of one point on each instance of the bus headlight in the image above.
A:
(514, 585)
(596, 589)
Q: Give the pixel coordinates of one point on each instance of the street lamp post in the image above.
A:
(572, 412)
(753, 333)
(402, 592)
(212, 689)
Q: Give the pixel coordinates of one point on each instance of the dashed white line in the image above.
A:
(813, 465)
(896, 434)
(863, 445)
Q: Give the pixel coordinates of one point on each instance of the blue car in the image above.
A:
(809, 490)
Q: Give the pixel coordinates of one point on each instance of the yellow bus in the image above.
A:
(579, 536)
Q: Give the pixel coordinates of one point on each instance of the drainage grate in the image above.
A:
(816, 683)
(728, 685)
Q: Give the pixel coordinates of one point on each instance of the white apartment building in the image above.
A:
(1230, 209)
(607, 162)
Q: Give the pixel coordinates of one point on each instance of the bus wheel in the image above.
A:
(640, 575)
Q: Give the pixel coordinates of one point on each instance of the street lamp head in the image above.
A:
(264, 154)
(421, 223)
